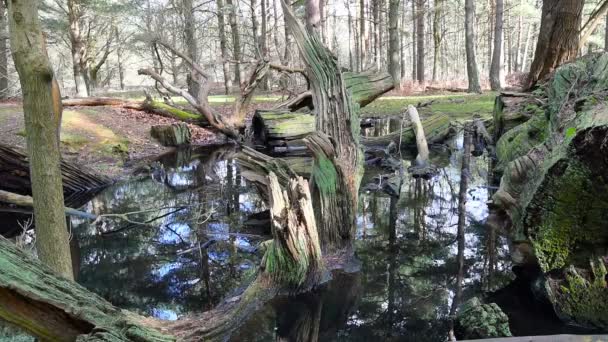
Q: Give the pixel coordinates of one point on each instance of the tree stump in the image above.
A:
(177, 134)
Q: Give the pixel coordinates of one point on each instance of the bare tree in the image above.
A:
(394, 65)
(469, 23)
(496, 67)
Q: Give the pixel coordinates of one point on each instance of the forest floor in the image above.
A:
(111, 140)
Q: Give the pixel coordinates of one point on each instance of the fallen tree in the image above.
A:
(15, 175)
(554, 189)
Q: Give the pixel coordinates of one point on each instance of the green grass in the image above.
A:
(460, 106)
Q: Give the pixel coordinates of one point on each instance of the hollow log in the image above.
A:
(555, 192)
(437, 128)
(15, 175)
(364, 87)
(171, 135)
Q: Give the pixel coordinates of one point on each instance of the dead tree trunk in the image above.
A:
(554, 189)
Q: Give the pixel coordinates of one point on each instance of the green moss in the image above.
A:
(583, 300)
(478, 321)
(325, 175)
(283, 268)
(571, 207)
(458, 107)
(178, 113)
(519, 140)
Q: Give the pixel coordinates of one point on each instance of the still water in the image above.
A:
(190, 232)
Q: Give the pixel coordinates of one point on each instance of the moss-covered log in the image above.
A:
(364, 87)
(275, 128)
(52, 308)
(149, 105)
(513, 109)
(437, 128)
(555, 191)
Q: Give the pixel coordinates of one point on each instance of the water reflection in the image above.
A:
(193, 248)
(181, 249)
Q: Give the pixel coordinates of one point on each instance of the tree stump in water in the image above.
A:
(177, 134)
(555, 192)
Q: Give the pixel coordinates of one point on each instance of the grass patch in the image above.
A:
(457, 106)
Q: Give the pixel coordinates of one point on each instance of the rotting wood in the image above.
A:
(15, 174)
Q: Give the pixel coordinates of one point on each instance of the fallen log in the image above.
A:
(53, 308)
(437, 128)
(554, 190)
(148, 105)
(364, 88)
(15, 175)
(421, 167)
(28, 201)
(284, 131)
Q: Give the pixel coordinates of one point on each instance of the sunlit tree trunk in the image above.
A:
(437, 36)
(472, 72)
(42, 110)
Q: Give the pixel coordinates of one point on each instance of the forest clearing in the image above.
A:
(323, 170)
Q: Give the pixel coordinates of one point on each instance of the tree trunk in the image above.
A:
(78, 47)
(606, 35)
(437, 37)
(469, 22)
(119, 61)
(4, 91)
(236, 40)
(191, 45)
(223, 46)
(394, 65)
(414, 58)
(496, 67)
(42, 110)
(420, 15)
(558, 38)
(362, 41)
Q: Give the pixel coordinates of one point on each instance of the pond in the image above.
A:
(192, 225)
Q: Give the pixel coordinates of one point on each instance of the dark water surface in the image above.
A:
(194, 228)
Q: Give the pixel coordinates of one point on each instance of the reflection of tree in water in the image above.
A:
(183, 259)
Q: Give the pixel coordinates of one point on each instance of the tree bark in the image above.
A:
(4, 91)
(553, 189)
(420, 37)
(496, 67)
(472, 72)
(558, 38)
(437, 36)
(236, 40)
(42, 110)
(78, 47)
(194, 88)
(394, 65)
(223, 46)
